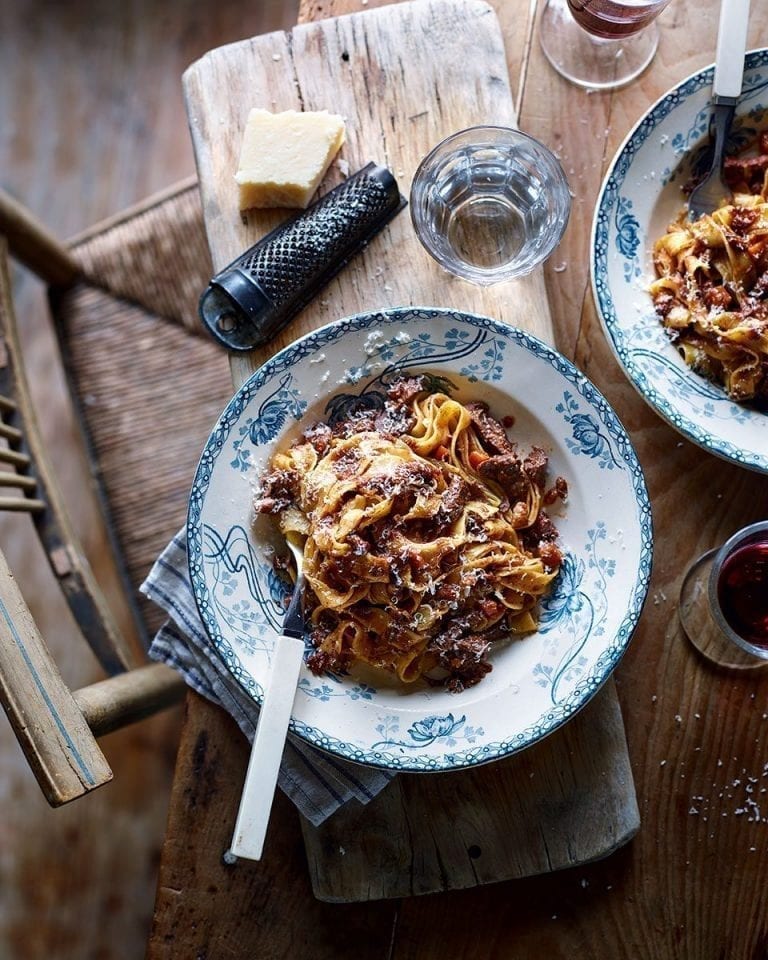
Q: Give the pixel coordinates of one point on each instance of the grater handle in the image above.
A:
(252, 299)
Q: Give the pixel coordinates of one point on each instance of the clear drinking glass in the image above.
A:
(490, 203)
(600, 44)
(723, 605)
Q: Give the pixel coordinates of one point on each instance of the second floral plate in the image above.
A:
(641, 194)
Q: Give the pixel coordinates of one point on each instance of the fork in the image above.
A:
(272, 727)
(726, 90)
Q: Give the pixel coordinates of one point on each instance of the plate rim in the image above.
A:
(605, 662)
(604, 302)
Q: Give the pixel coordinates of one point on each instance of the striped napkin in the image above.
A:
(318, 783)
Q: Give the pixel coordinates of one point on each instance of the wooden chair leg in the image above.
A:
(117, 701)
(51, 729)
(32, 244)
(57, 729)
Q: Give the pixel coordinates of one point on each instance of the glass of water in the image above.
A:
(490, 204)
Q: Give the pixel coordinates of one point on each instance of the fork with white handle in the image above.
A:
(272, 727)
(726, 90)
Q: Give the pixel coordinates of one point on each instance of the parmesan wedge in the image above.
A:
(284, 156)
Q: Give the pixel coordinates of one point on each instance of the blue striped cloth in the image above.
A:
(318, 783)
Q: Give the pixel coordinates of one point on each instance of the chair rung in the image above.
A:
(6, 404)
(18, 480)
(11, 456)
(10, 433)
(21, 504)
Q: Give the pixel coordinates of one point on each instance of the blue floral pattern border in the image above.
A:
(393, 751)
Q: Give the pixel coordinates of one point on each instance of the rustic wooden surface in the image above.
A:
(92, 121)
(691, 884)
(419, 62)
(400, 101)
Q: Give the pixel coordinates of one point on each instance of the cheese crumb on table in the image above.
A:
(284, 156)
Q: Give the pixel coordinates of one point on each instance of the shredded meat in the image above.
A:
(507, 470)
(394, 550)
(465, 658)
(663, 303)
(405, 389)
(748, 170)
(717, 297)
(319, 662)
(558, 492)
(550, 555)
(491, 431)
(393, 420)
(279, 490)
(535, 467)
(540, 540)
(453, 500)
(319, 435)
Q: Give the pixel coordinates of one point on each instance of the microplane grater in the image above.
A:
(254, 297)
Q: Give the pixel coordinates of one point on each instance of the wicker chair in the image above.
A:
(147, 385)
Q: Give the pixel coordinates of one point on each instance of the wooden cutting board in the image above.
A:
(404, 77)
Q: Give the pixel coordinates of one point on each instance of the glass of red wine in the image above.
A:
(600, 44)
(724, 601)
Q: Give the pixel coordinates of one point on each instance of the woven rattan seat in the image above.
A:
(150, 381)
(147, 384)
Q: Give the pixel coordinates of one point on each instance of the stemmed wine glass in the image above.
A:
(723, 605)
(600, 44)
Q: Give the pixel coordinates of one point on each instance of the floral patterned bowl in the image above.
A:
(641, 194)
(538, 682)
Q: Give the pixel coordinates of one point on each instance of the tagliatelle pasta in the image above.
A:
(425, 535)
(712, 284)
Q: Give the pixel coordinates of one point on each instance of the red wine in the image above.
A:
(742, 592)
(614, 19)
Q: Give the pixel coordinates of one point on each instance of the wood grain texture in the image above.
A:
(93, 121)
(566, 801)
(34, 245)
(266, 910)
(406, 76)
(57, 742)
(129, 697)
(404, 80)
(691, 884)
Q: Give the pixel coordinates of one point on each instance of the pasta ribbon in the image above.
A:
(711, 288)
(425, 537)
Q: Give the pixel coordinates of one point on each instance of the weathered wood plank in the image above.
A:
(405, 76)
(110, 704)
(58, 745)
(93, 120)
(564, 802)
(32, 243)
(690, 885)
(209, 908)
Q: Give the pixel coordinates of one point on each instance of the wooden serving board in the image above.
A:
(404, 77)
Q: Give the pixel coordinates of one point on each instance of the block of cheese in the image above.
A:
(284, 156)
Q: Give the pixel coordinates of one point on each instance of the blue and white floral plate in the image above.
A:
(641, 194)
(539, 681)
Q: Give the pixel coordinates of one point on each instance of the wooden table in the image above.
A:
(691, 883)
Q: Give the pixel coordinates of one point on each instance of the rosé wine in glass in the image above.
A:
(723, 606)
(614, 19)
(600, 44)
